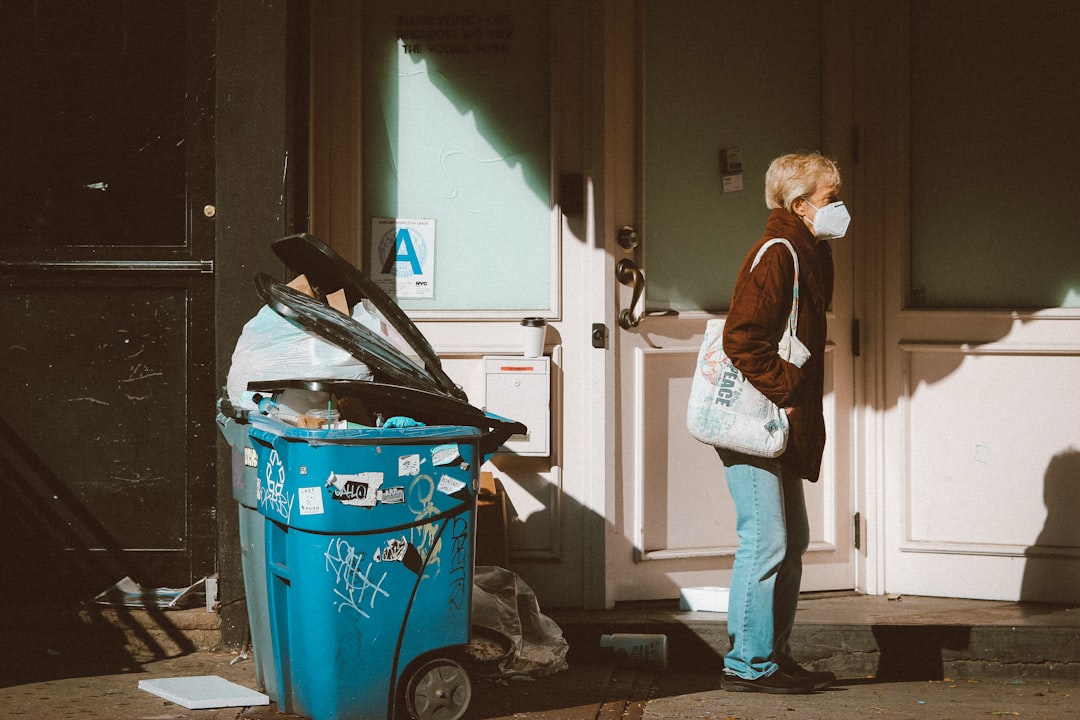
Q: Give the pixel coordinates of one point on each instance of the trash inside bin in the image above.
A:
(364, 403)
(366, 554)
(328, 272)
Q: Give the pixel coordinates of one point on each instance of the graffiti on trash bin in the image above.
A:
(355, 584)
(420, 497)
(271, 493)
(459, 562)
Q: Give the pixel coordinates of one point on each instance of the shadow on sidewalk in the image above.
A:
(51, 642)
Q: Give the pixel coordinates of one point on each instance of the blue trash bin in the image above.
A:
(369, 538)
(357, 543)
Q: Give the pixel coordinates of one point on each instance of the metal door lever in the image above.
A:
(628, 273)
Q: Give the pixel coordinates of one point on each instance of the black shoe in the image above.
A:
(778, 683)
(819, 680)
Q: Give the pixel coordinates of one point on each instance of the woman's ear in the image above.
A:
(799, 206)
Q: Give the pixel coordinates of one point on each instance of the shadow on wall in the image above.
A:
(1060, 536)
(915, 653)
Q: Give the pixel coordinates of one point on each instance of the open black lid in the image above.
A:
(385, 360)
(328, 272)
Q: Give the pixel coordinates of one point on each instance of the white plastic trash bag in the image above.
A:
(272, 347)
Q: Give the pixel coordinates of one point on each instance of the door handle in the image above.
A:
(628, 273)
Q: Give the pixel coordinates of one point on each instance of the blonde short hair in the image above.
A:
(798, 175)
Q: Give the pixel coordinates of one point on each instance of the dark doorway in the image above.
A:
(106, 295)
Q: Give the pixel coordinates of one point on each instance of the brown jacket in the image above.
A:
(760, 305)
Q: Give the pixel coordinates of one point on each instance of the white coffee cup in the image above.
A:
(533, 329)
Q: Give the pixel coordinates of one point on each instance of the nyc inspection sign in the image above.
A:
(403, 256)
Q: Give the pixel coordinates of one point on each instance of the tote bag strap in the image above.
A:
(793, 317)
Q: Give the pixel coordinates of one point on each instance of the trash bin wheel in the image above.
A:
(438, 690)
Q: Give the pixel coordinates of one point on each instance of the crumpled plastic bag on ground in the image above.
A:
(128, 593)
(502, 602)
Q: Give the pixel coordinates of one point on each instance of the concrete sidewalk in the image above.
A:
(897, 658)
(583, 692)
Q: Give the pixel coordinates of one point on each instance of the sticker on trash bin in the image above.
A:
(310, 500)
(391, 495)
(393, 551)
(449, 485)
(409, 465)
(251, 458)
(444, 454)
(360, 490)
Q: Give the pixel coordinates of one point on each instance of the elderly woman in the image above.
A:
(801, 190)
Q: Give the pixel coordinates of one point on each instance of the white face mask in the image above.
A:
(831, 221)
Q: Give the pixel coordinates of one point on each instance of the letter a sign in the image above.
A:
(403, 256)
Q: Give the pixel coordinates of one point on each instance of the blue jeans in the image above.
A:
(774, 532)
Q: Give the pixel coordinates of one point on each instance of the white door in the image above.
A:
(471, 135)
(981, 299)
(711, 82)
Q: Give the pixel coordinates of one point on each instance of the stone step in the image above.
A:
(908, 638)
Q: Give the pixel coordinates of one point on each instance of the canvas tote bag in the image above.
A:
(725, 410)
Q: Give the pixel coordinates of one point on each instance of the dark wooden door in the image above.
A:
(106, 295)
